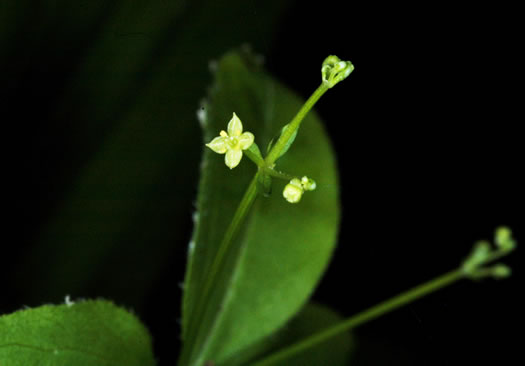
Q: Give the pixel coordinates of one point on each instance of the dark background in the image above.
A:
(425, 129)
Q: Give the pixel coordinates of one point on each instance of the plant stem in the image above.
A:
(365, 316)
(225, 244)
(233, 228)
(275, 152)
(279, 175)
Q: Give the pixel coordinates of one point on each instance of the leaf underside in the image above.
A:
(276, 261)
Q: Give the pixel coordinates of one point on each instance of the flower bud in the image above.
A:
(334, 70)
(308, 184)
(293, 191)
(500, 271)
(503, 238)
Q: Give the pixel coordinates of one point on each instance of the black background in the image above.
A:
(427, 137)
(428, 141)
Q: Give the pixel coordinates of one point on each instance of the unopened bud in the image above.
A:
(293, 191)
(334, 70)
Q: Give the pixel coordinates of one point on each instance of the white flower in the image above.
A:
(232, 143)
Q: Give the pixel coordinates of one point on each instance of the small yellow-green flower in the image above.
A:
(294, 190)
(232, 143)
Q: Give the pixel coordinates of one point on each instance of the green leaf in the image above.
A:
(86, 333)
(288, 144)
(311, 319)
(276, 261)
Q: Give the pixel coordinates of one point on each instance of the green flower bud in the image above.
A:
(500, 271)
(334, 70)
(293, 191)
(308, 184)
(503, 238)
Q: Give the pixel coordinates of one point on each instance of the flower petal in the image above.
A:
(246, 140)
(235, 126)
(218, 144)
(233, 158)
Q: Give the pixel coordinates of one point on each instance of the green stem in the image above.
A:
(233, 228)
(497, 254)
(278, 174)
(365, 316)
(275, 152)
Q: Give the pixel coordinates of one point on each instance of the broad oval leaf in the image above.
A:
(87, 333)
(275, 262)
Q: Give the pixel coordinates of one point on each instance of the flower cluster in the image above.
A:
(234, 142)
(295, 189)
(483, 253)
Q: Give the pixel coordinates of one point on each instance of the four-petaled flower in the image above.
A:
(232, 143)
